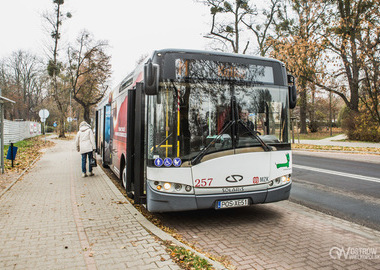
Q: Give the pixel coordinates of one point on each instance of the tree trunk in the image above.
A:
(86, 114)
(61, 127)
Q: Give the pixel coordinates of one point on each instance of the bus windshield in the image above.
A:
(187, 117)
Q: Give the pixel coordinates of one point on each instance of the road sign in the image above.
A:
(158, 162)
(168, 162)
(43, 114)
(177, 162)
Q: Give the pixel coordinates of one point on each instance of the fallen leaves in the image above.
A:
(185, 258)
(28, 151)
(337, 148)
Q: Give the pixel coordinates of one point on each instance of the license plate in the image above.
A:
(232, 203)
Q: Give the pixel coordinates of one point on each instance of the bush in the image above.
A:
(360, 126)
(366, 129)
(49, 129)
(313, 126)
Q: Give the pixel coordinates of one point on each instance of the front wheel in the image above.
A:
(124, 177)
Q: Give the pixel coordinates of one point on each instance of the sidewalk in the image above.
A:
(337, 141)
(52, 218)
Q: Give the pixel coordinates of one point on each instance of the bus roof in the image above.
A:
(216, 53)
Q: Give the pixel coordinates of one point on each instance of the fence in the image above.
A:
(15, 131)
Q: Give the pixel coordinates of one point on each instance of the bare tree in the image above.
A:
(261, 27)
(57, 91)
(23, 79)
(353, 36)
(88, 71)
(227, 20)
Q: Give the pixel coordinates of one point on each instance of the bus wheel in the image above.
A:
(124, 177)
(130, 190)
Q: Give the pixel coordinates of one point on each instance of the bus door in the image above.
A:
(107, 144)
(97, 131)
(136, 166)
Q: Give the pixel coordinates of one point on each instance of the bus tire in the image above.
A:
(130, 190)
(124, 177)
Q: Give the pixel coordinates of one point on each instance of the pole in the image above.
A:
(292, 123)
(2, 136)
(71, 109)
(12, 154)
(45, 129)
(330, 117)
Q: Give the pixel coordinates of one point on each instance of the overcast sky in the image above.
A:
(132, 27)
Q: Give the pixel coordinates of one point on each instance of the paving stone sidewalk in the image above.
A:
(339, 140)
(281, 235)
(52, 218)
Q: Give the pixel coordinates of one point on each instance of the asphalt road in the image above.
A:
(344, 185)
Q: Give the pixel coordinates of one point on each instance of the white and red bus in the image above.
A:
(193, 130)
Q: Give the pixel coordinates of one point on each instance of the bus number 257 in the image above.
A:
(205, 182)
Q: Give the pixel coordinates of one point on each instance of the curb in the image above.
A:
(150, 227)
(18, 177)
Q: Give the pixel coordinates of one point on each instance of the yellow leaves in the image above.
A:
(28, 151)
(185, 258)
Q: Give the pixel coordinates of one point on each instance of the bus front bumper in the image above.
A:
(167, 202)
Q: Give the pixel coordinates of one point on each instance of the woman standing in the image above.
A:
(85, 143)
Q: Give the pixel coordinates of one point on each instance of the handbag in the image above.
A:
(93, 162)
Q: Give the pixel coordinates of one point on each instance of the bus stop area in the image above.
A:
(52, 218)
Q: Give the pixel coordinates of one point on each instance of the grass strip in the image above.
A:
(185, 258)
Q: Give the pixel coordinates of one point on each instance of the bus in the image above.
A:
(190, 130)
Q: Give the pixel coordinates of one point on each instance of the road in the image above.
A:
(344, 185)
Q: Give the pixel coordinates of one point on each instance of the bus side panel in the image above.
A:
(119, 132)
(106, 155)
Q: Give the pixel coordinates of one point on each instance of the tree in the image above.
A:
(23, 78)
(57, 90)
(261, 27)
(299, 45)
(88, 71)
(227, 20)
(353, 39)
(348, 19)
(234, 22)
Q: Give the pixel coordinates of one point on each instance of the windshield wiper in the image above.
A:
(201, 154)
(161, 143)
(254, 133)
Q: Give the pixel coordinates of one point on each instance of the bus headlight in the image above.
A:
(169, 187)
(282, 180)
(285, 179)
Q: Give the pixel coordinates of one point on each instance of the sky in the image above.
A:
(132, 27)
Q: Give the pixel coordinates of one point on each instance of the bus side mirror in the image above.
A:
(151, 78)
(292, 92)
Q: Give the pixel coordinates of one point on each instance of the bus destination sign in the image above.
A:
(215, 70)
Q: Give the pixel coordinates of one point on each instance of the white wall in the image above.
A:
(15, 131)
